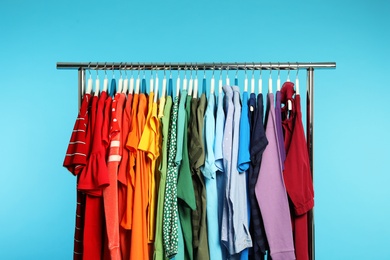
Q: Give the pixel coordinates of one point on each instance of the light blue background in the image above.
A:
(39, 103)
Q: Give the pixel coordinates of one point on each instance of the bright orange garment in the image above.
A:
(149, 144)
(124, 182)
(139, 235)
(110, 193)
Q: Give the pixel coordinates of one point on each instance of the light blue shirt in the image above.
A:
(237, 193)
(219, 128)
(209, 171)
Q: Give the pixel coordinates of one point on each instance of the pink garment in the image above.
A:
(271, 194)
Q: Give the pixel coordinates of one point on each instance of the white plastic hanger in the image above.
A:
(260, 81)
(297, 81)
(190, 85)
(151, 81)
(288, 74)
(97, 83)
(164, 85)
(212, 84)
(137, 82)
(195, 92)
(270, 81)
(178, 83)
(253, 81)
(155, 89)
(227, 77)
(246, 82)
(89, 85)
(120, 81)
(131, 82)
(125, 83)
(278, 80)
(220, 83)
(185, 81)
(105, 81)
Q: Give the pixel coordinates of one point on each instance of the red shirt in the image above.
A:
(297, 173)
(75, 160)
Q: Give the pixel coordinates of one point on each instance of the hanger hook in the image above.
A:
(236, 69)
(270, 70)
(297, 69)
(105, 69)
(131, 68)
(288, 74)
(125, 69)
(213, 69)
(253, 69)
(278, 69)
(204, 71)
(170, 70)
(97, 71)
(89, 69)
(261, 69)
(144, 71)
(245, 71)
(113, 73)
(120, 69)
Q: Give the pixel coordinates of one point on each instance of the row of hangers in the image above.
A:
(131, 86)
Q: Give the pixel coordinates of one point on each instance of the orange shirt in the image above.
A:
(139, 236)
(149, 144)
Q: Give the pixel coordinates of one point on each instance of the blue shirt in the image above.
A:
(209, 170)
(244, 155)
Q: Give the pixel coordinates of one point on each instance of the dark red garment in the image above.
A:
(297, 173)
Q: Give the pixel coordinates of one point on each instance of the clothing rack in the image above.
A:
(308, 66)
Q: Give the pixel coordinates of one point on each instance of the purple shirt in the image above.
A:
(271, 194)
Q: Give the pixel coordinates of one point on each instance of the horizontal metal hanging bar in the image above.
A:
(195, 65)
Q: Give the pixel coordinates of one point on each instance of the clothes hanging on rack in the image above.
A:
(188, 178)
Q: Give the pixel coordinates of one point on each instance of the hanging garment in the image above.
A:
(139, 236)
(258, 143)
(271, 193)
(244, 159)
(227, 236)
(92, 181)
(209, 173)
(125, 187)
(197, 158)
(110, 193)
(75, 160)
(170, 211)
(164, 115)
(149, 144)
(185, 188)
(218, 151)
(297, 175)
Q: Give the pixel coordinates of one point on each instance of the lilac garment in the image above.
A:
(272, 196)
(279, 127)
(227, 142)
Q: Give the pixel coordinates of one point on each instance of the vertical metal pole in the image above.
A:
(310, 146)
(81, 75)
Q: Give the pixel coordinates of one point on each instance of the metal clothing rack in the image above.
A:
(308, 66)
